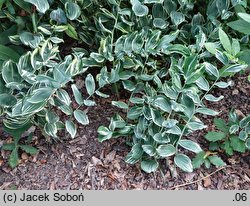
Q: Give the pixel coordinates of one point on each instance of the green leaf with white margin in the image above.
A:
(166, 150)
(31, 40)
(234, 128)
(169, 123)
(236, 68)
(159, 23)
(66, 109)
(184, 162)
(102, 94)
(160, 138)
(245, 121)
(153, 1)
(177, 17)
(135, 154)
(207, 111)
(71, 128)
(211, 69)
(248, 143)
(10, 73)
(30, 108)
(89, 103)
(50, 129)
(51, 117)
(71, 31)
(139, 9)
(211, 47)
(174, 130)
(104, 133)
(40, 95)
(149, 165)
(212, 98)
(41, 6)
(90, 84)
(190, 145)
(119, 104)
(77, 94)
(223, 85)
(225, 41)
(63, 96)
(134, 112)
(217, 161)
(7, 100)
(202, 83)
(153, 40)
(149, 149)
(196, 126)
(189, 105)
(244, 16)
(162, 103)
(73, 11)
(215, 136)
(59, 16)
(81, 117)
(243, 135)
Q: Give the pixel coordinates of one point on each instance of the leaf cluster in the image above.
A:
(163, 53)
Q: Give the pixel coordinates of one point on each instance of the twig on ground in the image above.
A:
(196, 181)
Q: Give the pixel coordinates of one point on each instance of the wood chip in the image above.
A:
(96, 161)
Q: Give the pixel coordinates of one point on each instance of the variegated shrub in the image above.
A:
(166, 54)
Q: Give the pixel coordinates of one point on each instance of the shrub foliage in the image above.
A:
(168, 55)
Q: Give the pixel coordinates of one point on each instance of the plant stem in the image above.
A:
(33, 17)
(112, 44)
(116, 90)
(183, 130)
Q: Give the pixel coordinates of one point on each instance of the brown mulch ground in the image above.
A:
(84, 163)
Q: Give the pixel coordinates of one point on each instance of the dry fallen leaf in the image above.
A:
(239, 113)
(207, 182)
(43, 161)
(52, 185)
(1, 162)
(235, 92)
(24, 156)
(110, 157)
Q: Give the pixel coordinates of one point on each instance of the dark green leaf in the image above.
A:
(217, 161)
(215, 136)
(29, 149)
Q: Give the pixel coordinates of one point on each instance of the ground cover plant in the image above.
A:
(167, 56)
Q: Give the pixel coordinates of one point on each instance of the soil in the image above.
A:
(84, 163)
